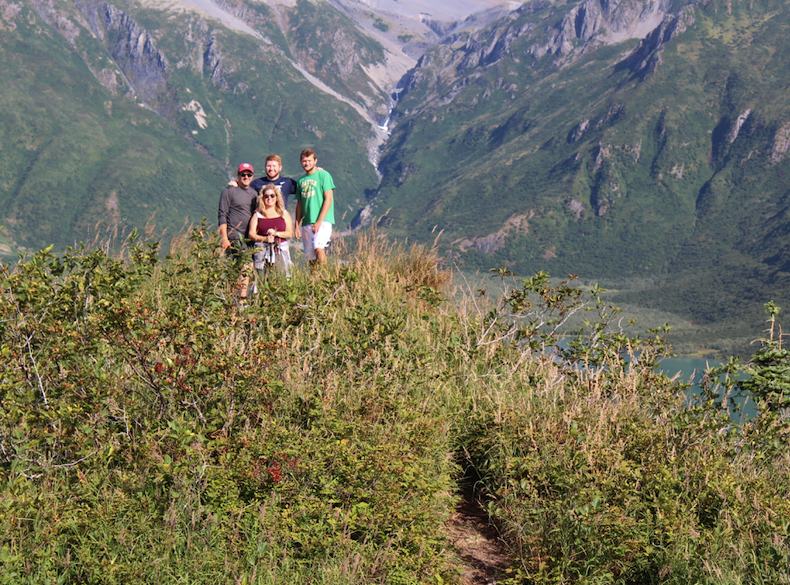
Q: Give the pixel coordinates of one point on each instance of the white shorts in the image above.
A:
(311, 241)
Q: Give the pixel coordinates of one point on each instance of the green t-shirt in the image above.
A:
(310, 191)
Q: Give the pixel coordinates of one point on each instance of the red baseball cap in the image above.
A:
(246, 167)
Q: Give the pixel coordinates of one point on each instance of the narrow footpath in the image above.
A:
(477, 541)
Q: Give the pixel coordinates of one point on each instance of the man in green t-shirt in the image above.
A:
(315, 208)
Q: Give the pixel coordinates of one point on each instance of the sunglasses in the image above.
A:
(245, 175)
(269, 196)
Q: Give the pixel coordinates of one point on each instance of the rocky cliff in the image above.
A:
(143, 66)
(548, 39)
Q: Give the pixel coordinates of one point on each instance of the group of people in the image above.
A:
(253, 213)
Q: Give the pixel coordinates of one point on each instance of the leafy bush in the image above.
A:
(599, 470)
(153, 430)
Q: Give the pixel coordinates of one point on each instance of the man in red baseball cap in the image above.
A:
(236, 206)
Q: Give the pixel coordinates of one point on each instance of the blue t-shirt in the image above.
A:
(286, 184)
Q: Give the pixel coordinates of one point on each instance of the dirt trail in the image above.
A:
(485, 555)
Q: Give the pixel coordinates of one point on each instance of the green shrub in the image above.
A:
(151, 429)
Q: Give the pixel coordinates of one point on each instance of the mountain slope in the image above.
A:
(617, 139)
(546, 141)
(112, 115)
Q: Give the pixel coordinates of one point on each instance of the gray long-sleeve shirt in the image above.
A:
(236, 206)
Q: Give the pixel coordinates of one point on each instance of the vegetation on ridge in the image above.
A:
(151, 430)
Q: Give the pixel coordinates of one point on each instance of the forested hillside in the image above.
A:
(642, 143)
(117, 115)
(609, 140)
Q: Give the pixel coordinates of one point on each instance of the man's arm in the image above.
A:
(324, 209)
(223, 237)
(298, 219)
(222, 220)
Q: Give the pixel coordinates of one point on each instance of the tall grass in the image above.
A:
(152, 429)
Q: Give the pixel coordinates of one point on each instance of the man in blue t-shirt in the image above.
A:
(274, 165)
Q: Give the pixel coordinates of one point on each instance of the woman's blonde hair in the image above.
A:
(279, 202)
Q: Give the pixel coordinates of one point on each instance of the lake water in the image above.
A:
(692, 370)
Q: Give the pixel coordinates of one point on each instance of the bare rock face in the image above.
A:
(648, 55)
(738, 124)
(781, 144)
(489, 244)
(582, 29)
(212, 63)
(600, 22)
(144, 67)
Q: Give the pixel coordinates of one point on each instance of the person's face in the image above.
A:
(244, 178)
(269, 198)
(308, 163)
(273, 169)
